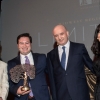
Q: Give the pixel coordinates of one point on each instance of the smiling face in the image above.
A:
(24, 45)
(60, 34)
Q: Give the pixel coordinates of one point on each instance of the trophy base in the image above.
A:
(25, 88)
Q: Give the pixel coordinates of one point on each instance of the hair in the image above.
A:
(96, 44)
(24, 35)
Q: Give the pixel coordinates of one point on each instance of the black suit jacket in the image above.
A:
(38, 85)
(73, 78)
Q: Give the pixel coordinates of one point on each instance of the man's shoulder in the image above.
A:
(38, 54)
(77, 44)
(52, 51)
(13, 59)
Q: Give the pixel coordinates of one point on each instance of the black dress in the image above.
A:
(97, 86)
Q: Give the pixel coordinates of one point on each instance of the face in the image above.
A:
(98, 37)
(24, 45)
(60, 35)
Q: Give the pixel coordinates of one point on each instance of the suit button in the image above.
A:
(66, 73)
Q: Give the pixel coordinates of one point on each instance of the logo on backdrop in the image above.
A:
(85, 2)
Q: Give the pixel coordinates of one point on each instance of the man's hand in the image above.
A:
(20, 92)
(1, 98)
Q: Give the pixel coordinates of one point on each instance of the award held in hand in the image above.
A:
(25, 84)
(23, 72)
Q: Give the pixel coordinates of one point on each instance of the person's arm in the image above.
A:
(87, 60)
(4, 82)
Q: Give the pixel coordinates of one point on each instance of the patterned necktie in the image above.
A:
(63, 58)
(28, 62)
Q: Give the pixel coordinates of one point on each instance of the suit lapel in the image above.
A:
(18, 61)
(35, 59)
(57, 55)
(71, 49)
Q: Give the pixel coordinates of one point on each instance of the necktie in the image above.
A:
(63, 58)
(28, 62)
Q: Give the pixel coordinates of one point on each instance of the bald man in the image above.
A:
(65, 65)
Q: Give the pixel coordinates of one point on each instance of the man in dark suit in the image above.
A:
(39, 88)
(65, 65)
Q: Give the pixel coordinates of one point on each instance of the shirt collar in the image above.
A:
(66, 45)
(28, 55)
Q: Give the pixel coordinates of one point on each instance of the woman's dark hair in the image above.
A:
(24, 35)
(96, 44)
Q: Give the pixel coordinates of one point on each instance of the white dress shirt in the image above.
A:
(30, 57)
(60, 51)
